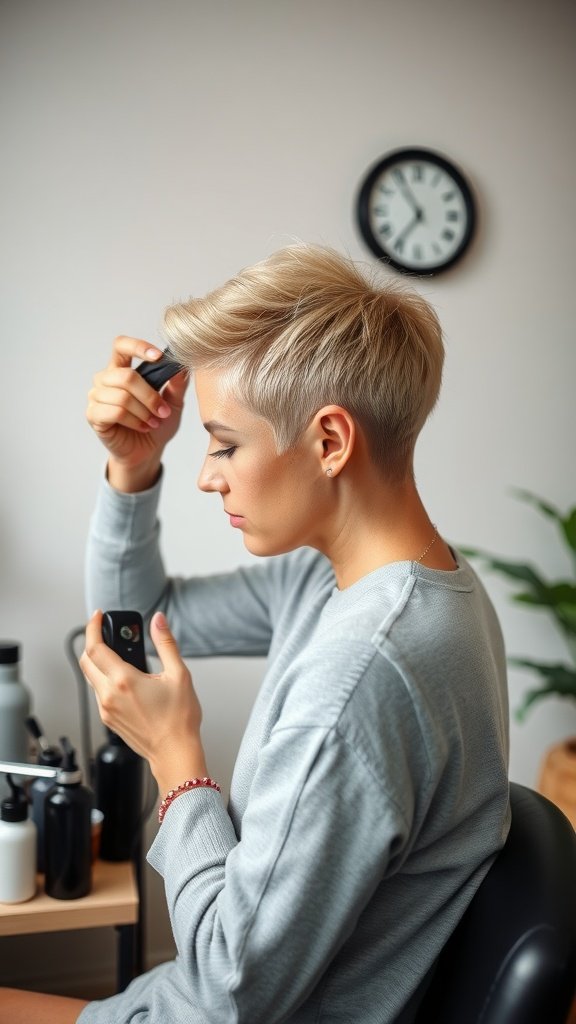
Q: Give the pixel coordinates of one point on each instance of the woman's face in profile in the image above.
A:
(274, 499)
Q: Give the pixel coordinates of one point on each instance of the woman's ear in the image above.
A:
(335, 436)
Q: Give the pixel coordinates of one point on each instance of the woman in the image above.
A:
(370, 792)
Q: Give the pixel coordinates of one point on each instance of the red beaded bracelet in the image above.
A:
(189, 784)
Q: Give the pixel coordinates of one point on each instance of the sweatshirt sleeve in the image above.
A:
(257, 921)
(212, 615)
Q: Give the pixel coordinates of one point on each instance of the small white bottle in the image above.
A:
(17, 848)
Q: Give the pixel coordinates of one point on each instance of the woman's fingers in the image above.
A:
(126, 383)
(120, 397)
(132, 420)
(110, 405)
(186, 705)
(166, 646)
(108, 674)
(97, 658)
(125, 349)
(99, 662)
(93, 672)
(155, 714)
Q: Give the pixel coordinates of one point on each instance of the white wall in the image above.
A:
(150, 149)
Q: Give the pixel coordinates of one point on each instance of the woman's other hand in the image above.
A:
(132, 420)
(159, 715)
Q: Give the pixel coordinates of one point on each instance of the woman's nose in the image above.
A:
(211, 478)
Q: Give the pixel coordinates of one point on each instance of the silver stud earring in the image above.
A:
(329, 471)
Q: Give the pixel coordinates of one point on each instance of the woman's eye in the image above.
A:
(224, 453)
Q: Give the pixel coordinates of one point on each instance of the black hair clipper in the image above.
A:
(158, 371)
(124, 633)
(119, 770)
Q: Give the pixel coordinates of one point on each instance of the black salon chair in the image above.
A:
(512, 958)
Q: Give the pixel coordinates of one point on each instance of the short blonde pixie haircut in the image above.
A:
(304, 329)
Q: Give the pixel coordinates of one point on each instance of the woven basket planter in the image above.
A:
(558, 777)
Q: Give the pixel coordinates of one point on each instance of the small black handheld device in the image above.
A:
(124, 633)
(159, 371)
(118, 770)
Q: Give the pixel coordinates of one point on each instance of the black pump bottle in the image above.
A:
(52, 757)
(119, 774)
(67, 831)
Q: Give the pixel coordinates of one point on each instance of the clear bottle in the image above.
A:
(68, 832)
(17, 848)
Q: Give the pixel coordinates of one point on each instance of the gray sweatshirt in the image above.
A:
(369, 796)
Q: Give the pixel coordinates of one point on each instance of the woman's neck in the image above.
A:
(380, 525)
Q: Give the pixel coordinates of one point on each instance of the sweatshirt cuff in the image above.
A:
(196, 830)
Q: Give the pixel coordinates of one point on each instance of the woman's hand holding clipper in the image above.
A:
(158, 715)
(133, 421)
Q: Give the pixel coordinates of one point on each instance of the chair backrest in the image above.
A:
(512, 958)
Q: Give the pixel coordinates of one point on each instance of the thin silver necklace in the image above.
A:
(434, 539)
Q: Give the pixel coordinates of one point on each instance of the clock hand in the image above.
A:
(410, 198)
(409, 227)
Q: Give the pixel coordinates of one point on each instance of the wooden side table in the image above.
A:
(113, 901)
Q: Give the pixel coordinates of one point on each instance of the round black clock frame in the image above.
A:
(414, 155)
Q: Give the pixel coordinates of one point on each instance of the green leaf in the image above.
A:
(533, 499)
(553, 595)
(515, 570)
(566, 613)
(530, 698)
(561, 682)
(559, 599)
(561, 676)
(566, 523)
(569, 527)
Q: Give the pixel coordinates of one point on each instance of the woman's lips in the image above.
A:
(235, 520)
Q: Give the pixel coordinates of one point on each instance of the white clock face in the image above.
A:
(416, 212)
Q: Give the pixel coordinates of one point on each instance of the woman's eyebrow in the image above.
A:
(213, 425)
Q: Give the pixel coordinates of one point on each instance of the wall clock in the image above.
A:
(416, 211)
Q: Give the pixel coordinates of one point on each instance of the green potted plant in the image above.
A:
(558, 773)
